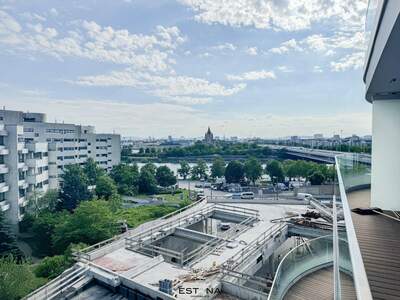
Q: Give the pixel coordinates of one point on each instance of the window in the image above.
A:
(28, 129)
(22, 193)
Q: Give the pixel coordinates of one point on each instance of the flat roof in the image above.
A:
(147, 271)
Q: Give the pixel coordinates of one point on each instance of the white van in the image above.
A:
(247, 195)
(304, 196)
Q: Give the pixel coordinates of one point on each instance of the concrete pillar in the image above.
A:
(385, 180)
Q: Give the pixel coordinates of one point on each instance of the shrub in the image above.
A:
(51, 267)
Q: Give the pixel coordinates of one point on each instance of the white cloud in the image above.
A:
(252, 51)
(205, 55)
(8, 24)
(290, 45)
(225, 46)
(317, 69)
(289, 15)
(253, 75)
(91, 41)
(33, 17)
(345, 48)
(351, 61)
(176, 89)
(53, 12)
(285, 69)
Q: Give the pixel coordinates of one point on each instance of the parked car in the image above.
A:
(304, 196)
(247, 195)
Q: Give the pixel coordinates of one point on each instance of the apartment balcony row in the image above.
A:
(3, 150)
(37, 147)
(22, 166)
(37, 178)
(3, 169)
(3, 187)
(21, 148)
(22, 202)
(37, 162)
(23, 184)
(4, 205)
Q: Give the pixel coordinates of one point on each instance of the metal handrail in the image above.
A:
(254, 245)
(359, 274)
(286, 255)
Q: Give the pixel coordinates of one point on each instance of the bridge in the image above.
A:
(318, 155)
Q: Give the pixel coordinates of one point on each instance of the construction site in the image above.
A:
(207, 250)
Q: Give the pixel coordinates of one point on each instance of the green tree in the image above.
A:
(234, 172)
(43, 228)
(253, 169)
(38, 201)
(8, 241)
(147, 182)
(275, 171)
(51, 267)
(92, 222)
(105, 187)
(199, 171)
(184, 170)
(16, 279)
(165, 177)
(126, 177)
(74, 188)
(218, 167)
(92, 171)
(149, 167)
(316, 178)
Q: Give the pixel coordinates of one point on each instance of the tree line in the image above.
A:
(200, 149)
(251, 170)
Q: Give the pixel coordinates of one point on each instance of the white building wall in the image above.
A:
(35, 154)
(385, 187)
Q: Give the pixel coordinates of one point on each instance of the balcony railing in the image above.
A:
(354, 173)
(306, 258)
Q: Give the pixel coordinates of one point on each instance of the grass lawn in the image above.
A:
(169, 198)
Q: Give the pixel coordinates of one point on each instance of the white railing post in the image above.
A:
(336, 269)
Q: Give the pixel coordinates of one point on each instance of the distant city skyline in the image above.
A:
(159, 68)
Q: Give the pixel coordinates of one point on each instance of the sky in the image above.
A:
(247, 68)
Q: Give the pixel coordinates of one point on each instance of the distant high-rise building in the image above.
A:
(33, 154)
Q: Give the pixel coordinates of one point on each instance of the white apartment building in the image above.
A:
(33, 154)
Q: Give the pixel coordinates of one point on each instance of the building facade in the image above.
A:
(34, 153)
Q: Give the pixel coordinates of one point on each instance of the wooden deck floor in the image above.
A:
(379, 240)
(319, 286)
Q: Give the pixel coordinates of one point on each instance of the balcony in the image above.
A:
(3, 187)
(373, 234)
(314, 258)
(3, 169)
(37, 162)
(37, 147)
(22, 166)
(3, 150)
(4, 205)
(37, 178)
(22, 201)
(22, 184)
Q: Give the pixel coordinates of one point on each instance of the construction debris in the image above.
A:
(200, 273)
